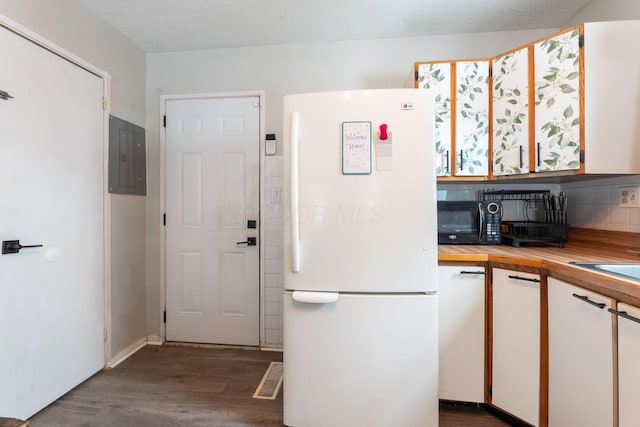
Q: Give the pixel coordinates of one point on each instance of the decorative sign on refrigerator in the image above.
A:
(356, 148)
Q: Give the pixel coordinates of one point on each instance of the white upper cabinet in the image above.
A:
(611, 97)
(510, 89)
(557, 102)
(436, 77)
(472, 118)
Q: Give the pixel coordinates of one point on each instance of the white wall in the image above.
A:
(70, 26)
(281, 70)
(606, 10)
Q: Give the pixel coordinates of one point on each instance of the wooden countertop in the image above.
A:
(583, 245)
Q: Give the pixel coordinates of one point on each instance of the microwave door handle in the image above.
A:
(481, 228)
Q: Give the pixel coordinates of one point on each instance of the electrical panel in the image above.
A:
(127, 158)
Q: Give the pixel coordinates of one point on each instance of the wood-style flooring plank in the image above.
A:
(173, 386)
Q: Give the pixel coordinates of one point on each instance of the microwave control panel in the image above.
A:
(493, 218)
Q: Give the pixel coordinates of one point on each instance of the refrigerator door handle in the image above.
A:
(315, 297)
(295, 214)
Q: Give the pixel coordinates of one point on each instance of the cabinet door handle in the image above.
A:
(461, 160)
(447, 161)
(472, 272)
(585, 298)
(521, 157)
(623, 314)
(526, 279)
(538, 148)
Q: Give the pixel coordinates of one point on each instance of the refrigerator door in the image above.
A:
(361, 360)
(359, 232)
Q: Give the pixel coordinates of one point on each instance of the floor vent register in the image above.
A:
(271, 382)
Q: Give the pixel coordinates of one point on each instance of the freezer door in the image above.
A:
(360, 360)
(359, 233)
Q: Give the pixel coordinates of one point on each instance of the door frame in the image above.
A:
(55, 49)
(260, 94)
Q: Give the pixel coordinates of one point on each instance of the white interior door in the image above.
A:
(51, 182)
(212, 174)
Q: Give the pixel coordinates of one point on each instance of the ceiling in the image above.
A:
(177, 25)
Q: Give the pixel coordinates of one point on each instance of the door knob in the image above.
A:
(14, 246)
(251, 241)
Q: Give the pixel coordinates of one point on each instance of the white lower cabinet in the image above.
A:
(516, 344)
(581, 357)
(461, 333)
(629, 365)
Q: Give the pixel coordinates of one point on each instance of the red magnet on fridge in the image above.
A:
(383, 132)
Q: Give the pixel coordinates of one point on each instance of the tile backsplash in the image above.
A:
(595, 204)
(592, 203)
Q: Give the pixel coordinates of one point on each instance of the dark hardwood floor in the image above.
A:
(190, 386)
(464, 416)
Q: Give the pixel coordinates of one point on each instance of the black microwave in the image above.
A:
(469, 222)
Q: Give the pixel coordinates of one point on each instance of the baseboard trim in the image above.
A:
(154, 340)
(126, 353)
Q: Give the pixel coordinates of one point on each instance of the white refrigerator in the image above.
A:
(360, 259)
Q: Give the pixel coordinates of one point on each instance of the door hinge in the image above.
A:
(491, 276)
(164, 121)
(490, 71)
(581, 41)
(581, 156)
(164, 316)
(105, 104)
(491, 390)
(105, 334)
(164, 219)
(416, 76)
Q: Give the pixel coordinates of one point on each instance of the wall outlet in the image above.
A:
(629, 197)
